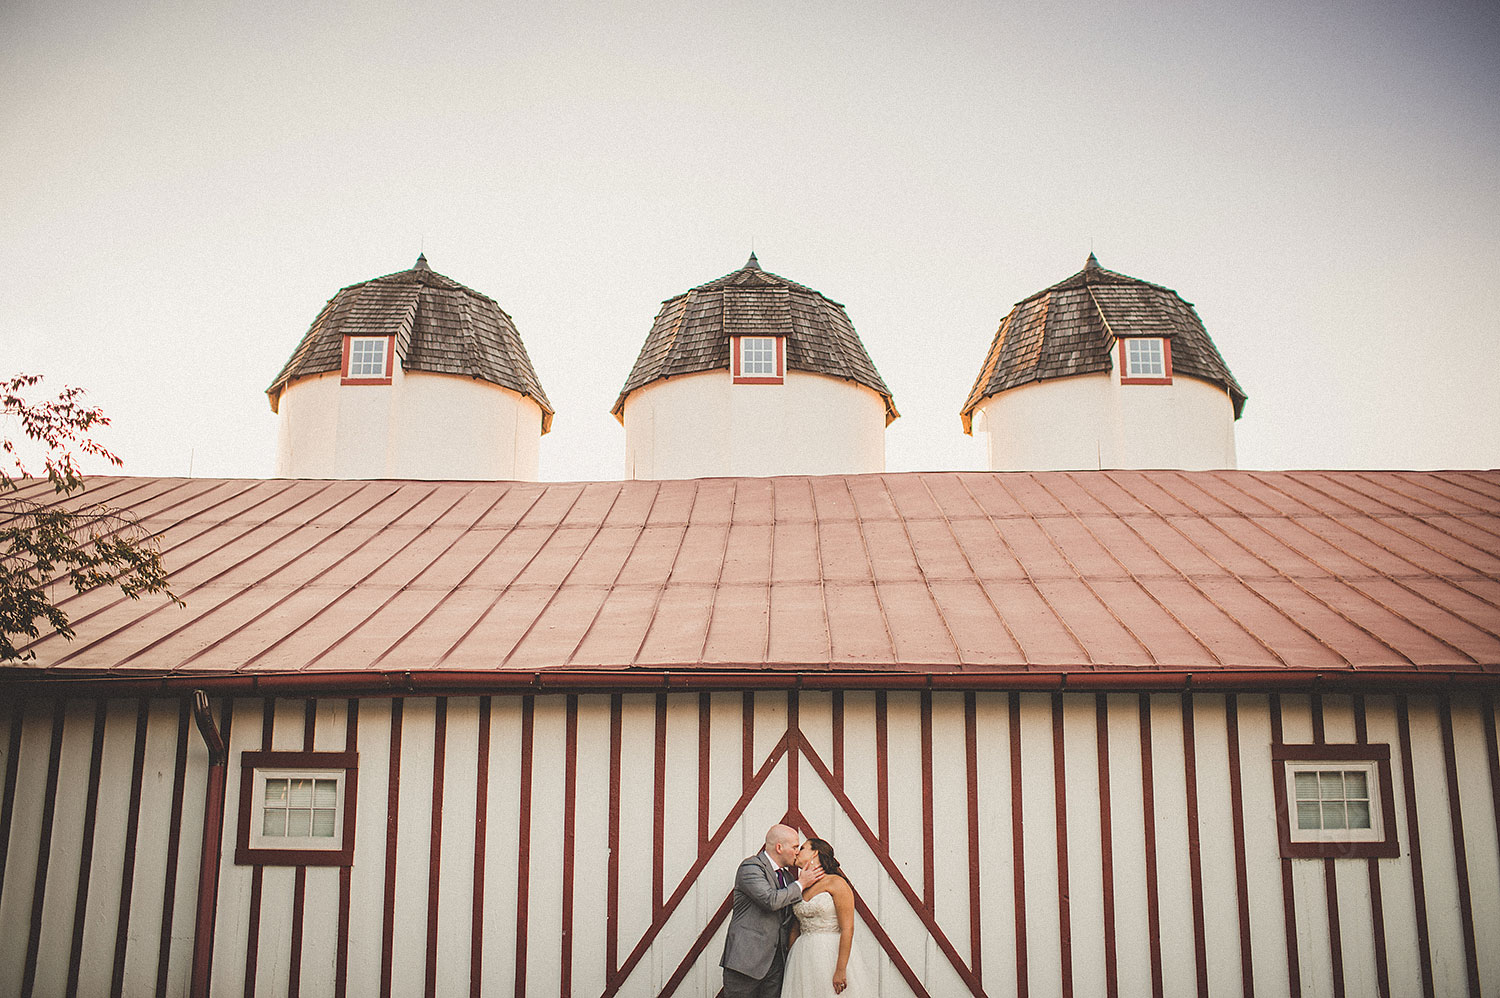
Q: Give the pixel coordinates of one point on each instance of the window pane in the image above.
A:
(325, 793)
(1333, 815)
(1332, 786)
(1307, 815)
(322, 823)
(276, 792)
(1359, 814)
(1356, 785)
(1307, 785)
(301, 794)
(274, 822)
(298, 822)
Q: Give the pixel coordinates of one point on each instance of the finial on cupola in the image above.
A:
(1092, 263)
(752, 263)
(421, 263)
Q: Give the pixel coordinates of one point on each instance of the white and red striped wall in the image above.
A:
(1000, 843)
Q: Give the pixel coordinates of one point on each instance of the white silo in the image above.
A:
(1104, 371)
(411, 375)
(753, 375)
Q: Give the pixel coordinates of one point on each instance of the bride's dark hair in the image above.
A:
(827, 859)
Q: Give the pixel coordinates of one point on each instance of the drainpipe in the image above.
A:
(213, 832)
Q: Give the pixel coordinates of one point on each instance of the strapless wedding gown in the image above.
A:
(809, 965)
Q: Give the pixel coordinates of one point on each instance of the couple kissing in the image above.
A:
(791, 932)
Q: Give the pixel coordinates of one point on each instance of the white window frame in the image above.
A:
(355, 345)
(1135, 355)
(759, 344)
(259, 840)
(1376, 831)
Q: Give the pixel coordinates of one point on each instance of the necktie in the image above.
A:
(781, 878)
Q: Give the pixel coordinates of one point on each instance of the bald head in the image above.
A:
(780, 835)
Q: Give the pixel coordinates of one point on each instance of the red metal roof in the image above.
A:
(946, 575)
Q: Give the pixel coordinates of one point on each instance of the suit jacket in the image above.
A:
(758, 924)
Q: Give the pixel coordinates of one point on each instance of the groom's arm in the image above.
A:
(752, 881)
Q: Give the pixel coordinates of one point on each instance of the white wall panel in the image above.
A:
(1481, 845)
(1439, 872)
(455, 914)
(1262, 848)
(950, 825)
(150, 874)
(107, 865)
(996, 878)
(502, 846)
(232, 921)
(544, 908)
(1039, 807)
(65, 849)
(1128, 819)
(1085, 850)
(681, 786)
(1396, 890)
(637, 832)
(591, 844)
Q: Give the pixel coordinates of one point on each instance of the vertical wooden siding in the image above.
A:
(941, 913)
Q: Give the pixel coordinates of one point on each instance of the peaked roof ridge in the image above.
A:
(1097, 275)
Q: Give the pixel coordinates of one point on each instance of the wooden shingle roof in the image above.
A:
(691, 332)
(1070, 328)
(440, 327)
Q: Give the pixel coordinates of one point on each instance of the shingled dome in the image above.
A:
(440, 327)
(691, 333)
(1071, 328)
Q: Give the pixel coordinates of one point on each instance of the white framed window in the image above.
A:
(367, 357)
(1145, 357)
(758, 357)
(1335, 800)
(296, 808)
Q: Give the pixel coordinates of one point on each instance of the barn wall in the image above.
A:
(999, 843)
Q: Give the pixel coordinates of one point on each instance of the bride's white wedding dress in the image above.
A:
(809, 965)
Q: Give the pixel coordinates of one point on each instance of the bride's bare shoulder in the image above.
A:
(836, 884)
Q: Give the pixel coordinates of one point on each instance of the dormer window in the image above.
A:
(1146, 360)
(759, 360)
(367, 359)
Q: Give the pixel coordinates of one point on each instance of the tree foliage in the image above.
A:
(49, 540)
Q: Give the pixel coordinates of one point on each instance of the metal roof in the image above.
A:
(936, 574)
(1070, 328)
(691, 332)
(440, 327)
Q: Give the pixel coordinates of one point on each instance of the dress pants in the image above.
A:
(737, 985)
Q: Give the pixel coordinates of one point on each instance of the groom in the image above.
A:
(765, 888)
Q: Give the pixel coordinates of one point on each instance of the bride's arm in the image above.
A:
(843, 903)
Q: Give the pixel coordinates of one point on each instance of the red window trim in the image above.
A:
(734, 359)
(1166, 360)
(390, 362)
(1387, 848)
(250, 762)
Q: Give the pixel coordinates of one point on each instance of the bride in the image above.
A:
(819, 962)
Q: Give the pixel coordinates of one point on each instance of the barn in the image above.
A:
(1071, 733)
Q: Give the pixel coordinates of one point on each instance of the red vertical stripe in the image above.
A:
(17, 716)
(882, 773)
(299, 879)
(341, 953)
(658, 804)
(1148, 800)
(570, 810)
(705, 720)
(1372, 866)
(1195, 859)
(435, 841)
(838, 736)
(481, 815)
(1017, 845)
(1288, 893)
(44, 848)
(793, 743)
(1106, 845)
(392, 825)
(174, 844)
(929, 846)
(612, 886)
(1414, 845)
(971, 767)
(747, 746)
(1330, 879)
(86, 850)
(1460, 856)
(257, 872)
(523, 859)
(132, 831)
(1241, 874)
(1060, 793)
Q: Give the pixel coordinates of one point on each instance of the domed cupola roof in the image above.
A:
(439, 326)
(691, 333)
(1071, 327)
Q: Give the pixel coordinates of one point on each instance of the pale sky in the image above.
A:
(183, 185)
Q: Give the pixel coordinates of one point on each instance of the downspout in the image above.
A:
(213, 831)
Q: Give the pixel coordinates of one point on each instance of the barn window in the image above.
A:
(1335, 800)
(297, 808)
(367, 360)
(759, 360)
(1146, 360)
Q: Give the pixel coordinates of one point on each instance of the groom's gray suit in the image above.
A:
(755, 946)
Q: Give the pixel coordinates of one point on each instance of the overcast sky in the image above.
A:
(183, 185)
